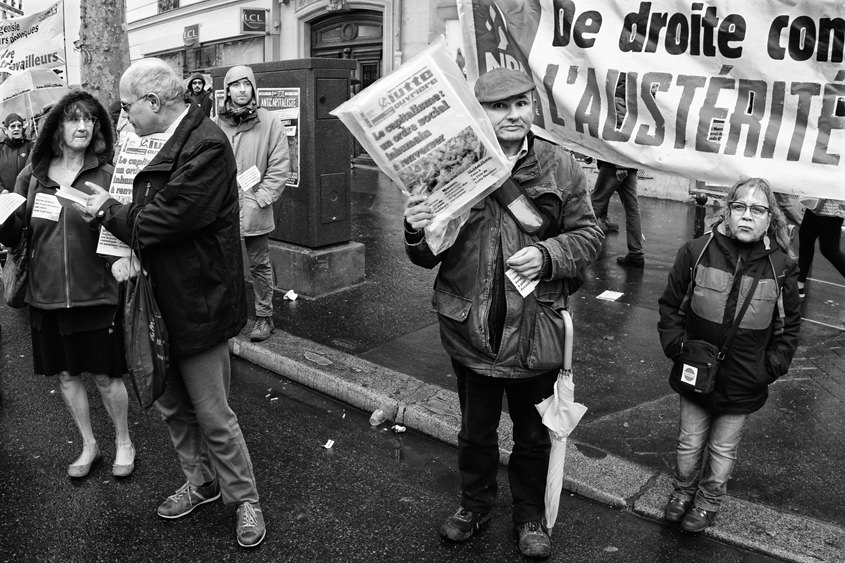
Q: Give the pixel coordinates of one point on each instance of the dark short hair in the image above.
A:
(81, 108)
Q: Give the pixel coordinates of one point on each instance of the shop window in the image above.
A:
(167, 5)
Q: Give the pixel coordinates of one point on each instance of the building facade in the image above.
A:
(196, 35)
(11, 9)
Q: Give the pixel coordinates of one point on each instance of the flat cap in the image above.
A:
(501, 83)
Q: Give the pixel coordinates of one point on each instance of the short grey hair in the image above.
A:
(153, 76)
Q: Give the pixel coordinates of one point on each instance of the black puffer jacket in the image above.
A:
(765, 342)
(186, 204)
(65, 270)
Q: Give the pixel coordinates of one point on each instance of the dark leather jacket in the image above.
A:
(186, 205)
(532, 336)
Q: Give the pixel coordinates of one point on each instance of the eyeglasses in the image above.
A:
(126, 105)
(739, 208)
(87, 120)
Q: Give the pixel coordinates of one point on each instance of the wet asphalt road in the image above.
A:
(376, 495)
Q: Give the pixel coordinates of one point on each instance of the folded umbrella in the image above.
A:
(561, 415)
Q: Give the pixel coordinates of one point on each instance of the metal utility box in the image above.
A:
(315, 208)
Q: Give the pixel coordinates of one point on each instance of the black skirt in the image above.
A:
(78, 340)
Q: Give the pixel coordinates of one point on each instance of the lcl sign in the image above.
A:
(253, 21)
(191, 35)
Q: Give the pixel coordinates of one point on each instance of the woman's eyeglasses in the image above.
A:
(739, 208)
(86, 120)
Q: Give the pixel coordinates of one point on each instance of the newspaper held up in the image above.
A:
(424, 128)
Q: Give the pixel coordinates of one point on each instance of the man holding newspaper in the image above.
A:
(185, 209)
(499, 341)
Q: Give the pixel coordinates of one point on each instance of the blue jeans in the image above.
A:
(480, 398)
(606, 184)
(706, 436)
(204, 430)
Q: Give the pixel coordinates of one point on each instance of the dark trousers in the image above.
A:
(606, 185)
(478, 441)
(828, 230)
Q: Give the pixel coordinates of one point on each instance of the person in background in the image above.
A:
(198, 95)
(72, 293)
(822, 222)
(15, 151)
(751, 239)
(500, 342)
(185, 207)
(259, 142)
(617, 179)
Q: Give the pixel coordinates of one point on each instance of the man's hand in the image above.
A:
(94, 203)
(418, 212)
(126, 268)
(621, 173)
(527, 262)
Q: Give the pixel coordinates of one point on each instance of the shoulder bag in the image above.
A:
(15, 272)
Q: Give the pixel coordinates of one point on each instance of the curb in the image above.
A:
(592, 472)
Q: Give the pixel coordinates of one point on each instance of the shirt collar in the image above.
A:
(523, 150)
(170, 130)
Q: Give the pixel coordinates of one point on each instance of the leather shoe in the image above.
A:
(675, 509)
(534, 540)
(78, 470)
(697, 519)
(262, 329)
(631, 261)
(124, 470)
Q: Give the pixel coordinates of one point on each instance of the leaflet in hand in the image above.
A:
(72, 194)
(9, 202)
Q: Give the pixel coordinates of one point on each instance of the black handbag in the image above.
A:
(15, 274)
(697, 366)
(145, 336)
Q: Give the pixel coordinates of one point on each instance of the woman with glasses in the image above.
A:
(72, 294)
(707, 287)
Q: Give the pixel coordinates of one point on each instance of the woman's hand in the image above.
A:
(126, 268)
(418, 212)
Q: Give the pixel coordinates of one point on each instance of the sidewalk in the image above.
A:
(377, 346)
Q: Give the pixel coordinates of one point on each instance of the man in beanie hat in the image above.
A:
(500, 342)
(196, 94)
(15, 151)
(261, 146)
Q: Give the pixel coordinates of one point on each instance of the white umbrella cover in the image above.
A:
(561, 415)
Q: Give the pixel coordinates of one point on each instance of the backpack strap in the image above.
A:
(698, 245)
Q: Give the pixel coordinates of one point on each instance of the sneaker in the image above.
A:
(675, 509)
(463, 524)
(250, 528)
(187, 498)
(262, 329)
(801, 292)
(631, 261)
(697, 519)
(607, 226)
(534, 540)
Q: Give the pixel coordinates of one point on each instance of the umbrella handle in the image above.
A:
(567, 339)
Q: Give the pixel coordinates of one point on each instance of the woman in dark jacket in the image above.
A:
(752, 238)
(72, 293)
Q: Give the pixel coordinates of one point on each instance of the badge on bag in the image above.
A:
(689, 375)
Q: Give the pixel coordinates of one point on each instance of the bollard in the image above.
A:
(700, 212)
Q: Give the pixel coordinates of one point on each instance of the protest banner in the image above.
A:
(36, 40)
(134, 154)
(424, 128)
(714, 92)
